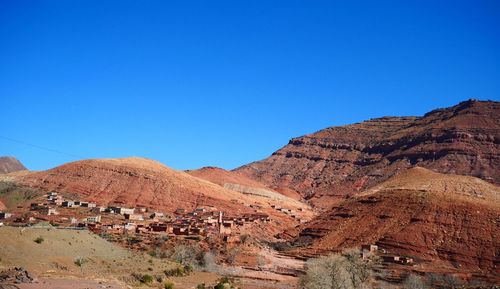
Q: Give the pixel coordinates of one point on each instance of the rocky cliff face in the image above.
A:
(336, 162)
(10, 164)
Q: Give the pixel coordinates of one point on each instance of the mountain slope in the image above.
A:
(220, 176)
(10, 164)
(133, 182)
(231, 179)
(445, 221)
(336, 162)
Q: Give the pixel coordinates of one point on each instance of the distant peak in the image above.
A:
(10, 164)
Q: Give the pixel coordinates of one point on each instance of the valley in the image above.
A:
(398, 196)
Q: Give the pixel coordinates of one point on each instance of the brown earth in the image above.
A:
(10, 164)
(336, 162)
(446, 222)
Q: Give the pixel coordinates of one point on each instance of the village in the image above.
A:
(202, 221)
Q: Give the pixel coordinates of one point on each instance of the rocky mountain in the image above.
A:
(10, 164)
(446, 222)
(329, 165)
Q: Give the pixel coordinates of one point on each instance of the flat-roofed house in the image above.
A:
(5, 215)
(49, 211)
(141, 209)
(181, 230)
(161, 227)
(88, 205)
(370, 248)
(98, 210)
(94, 219)
(121, 210)
(133, 217)
(157, 215)
(68, 204)
(38, 206)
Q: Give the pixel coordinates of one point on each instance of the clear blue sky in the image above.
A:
(224, 83)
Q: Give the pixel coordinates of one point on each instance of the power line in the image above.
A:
(40, 147)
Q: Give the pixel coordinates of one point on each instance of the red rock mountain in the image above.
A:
(336, 162)
(446, 222)
(10, 164)
(134, 182)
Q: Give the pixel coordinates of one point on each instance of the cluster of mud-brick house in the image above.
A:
(201, 221)
(368, 250)
(55, 200)
(292, 213)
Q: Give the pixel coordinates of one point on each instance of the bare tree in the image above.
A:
(232, 254)
(210, 262)
(327, 272)
(451, 282)
(185, 254)
(359, 270)
(414, 282)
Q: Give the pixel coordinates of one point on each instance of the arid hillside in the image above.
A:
(233, 179)
(336, 162)
(221, 177)
(446, 222)
(10, 164)
(58, 249)
(134, 182)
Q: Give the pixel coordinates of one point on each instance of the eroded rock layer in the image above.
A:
(443, 221)
(326, 166)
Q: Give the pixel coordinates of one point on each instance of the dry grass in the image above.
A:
(56, 255)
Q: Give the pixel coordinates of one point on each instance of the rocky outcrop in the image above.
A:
(16, 276)
(10, 164)
(331, 164)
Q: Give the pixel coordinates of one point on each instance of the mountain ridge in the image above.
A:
(334, 163)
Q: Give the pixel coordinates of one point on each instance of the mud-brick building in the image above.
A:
(121, 210)
(161, 228)
(5, 215)
(134, 217)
